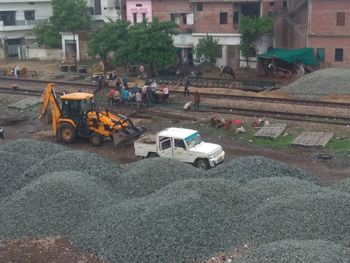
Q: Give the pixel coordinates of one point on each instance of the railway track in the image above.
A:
(92, 86)
(337, 120)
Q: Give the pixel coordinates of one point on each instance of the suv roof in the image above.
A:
(179, 133)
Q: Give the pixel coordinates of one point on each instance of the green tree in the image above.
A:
(207, 48)
(251, 28)
(150, 43)
(111, 37)
(67, 16)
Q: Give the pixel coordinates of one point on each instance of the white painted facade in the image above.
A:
(17, 19)
(106, 10)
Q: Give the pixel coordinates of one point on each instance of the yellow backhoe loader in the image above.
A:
(78, 116)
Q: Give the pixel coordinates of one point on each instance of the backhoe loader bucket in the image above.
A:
(127, 136)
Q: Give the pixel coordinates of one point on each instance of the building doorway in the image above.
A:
(12, 47)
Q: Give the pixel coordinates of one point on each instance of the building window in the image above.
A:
(272, 4)
(199, 7)
(339, 54)
(134, 17)
(223, 18)
(8, 18)
(182, 18)
(285, 4)
(320, 53)
(138, 5)
(144, 18)
(340, 18)
(29, 15)
(236, 17)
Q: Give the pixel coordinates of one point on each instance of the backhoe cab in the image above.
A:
(79, 116)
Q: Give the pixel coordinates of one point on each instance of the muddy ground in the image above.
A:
(58, 250)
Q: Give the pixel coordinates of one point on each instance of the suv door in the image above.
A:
(165, 147)
(180, 152)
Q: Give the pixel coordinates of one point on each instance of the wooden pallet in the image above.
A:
(313, 139)
(272, 131)
(25, 103)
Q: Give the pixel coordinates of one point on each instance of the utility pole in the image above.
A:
(75, 52)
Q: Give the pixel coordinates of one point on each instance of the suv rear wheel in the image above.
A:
(202, 164)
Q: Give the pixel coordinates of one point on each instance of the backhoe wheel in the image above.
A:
(67, 133)
(202, 164)
(96, 139)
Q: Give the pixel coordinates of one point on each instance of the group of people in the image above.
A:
(150, 93)
(147, 95)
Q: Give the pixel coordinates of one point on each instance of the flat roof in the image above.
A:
(77, 96)
(179, 133)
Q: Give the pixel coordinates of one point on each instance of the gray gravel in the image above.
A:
(34, 148)
(244, 169)
(160, 210)
(343, 185)
(12, 166)
(320, 83)
(54, 204)
(146, 176)
(298, 251)
(82, 161)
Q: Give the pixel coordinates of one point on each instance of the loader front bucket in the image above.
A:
(127, 136)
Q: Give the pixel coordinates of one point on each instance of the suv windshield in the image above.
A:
(193, 140)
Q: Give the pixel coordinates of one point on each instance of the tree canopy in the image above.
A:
(111, 37)
(251, 28)
(68, 16)
(207, 48)
(150, 43)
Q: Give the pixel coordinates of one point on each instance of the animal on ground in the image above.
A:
(227, 70)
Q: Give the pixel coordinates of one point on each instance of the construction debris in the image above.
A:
(25, 103)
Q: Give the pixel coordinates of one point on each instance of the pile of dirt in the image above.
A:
(343, 185)
(161, 210)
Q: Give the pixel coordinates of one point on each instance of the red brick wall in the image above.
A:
(208, 20)
(162, 9)
(325, 32)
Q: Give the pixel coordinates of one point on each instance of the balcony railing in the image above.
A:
(20, 24)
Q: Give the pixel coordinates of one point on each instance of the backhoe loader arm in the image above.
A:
(49, 98)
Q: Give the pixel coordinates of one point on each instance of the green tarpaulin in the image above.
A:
(301, 55)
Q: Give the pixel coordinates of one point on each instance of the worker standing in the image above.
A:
(186, 84)
(149, 96)
(197, 100)
(165, 93)
(126, 96)
(111, 96)
(100, 84)
(125, 80)
(138, 98)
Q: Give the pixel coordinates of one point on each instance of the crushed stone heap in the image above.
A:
(321, 83)
(161, 210)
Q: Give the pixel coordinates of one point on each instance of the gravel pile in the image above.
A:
(12, 165)
(146, 176)
(296, 251)
(306, 216)
(244, 169)
(343, 185)
(320, 83)
(34, 148)
(161, 210)
(54, 204)
(81, 161)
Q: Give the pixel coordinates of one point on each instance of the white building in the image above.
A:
(17, 19)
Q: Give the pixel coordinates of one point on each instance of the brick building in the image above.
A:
(321, 24)
(219, 18)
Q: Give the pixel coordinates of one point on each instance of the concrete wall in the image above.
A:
(44, 54)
